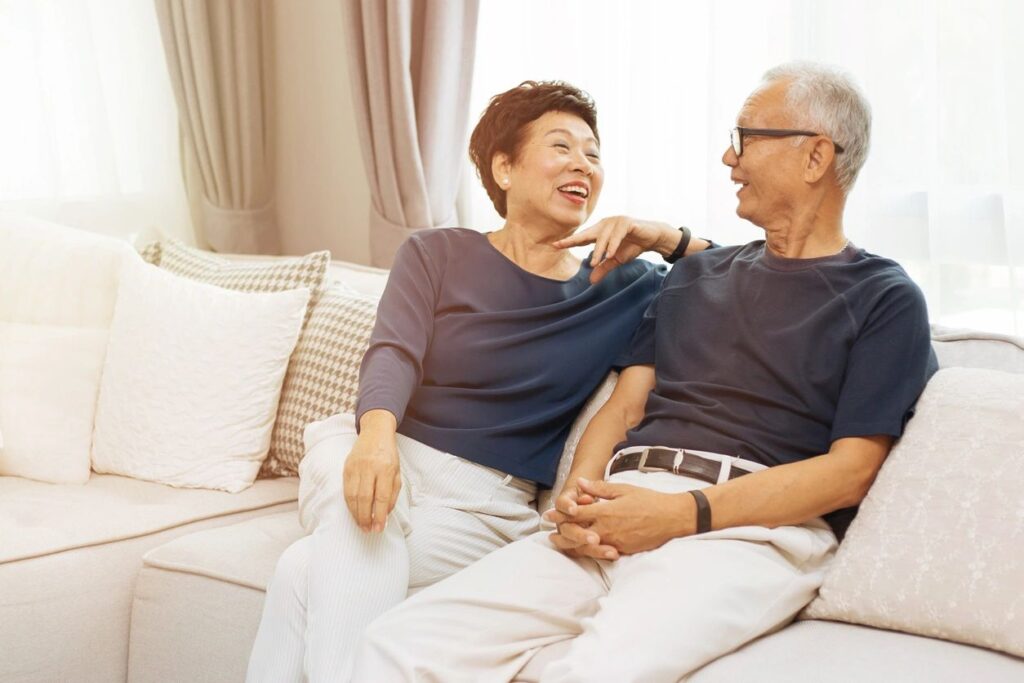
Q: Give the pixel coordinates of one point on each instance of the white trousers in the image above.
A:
(329, 585)
(653, 616)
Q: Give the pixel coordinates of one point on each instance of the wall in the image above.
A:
(322, 195)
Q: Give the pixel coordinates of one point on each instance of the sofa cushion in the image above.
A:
(827, 652)
(57, 292)
(71, 555)
(935, 548)
(203, 594)
(41, 519)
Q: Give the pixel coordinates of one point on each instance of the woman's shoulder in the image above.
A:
(440, 243)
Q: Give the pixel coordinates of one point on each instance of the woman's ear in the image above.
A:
(501, 170)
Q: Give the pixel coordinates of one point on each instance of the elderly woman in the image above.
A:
(485, 349)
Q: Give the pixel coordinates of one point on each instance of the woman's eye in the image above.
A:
(562, 145)
(594, 155)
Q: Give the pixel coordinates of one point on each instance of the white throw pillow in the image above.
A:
(57, 292)
(192, 379)
(937, 548)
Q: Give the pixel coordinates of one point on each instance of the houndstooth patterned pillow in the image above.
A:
(151, 253)
(245, 276)
(252, 276)
(323, 376)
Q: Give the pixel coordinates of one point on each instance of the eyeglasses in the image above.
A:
(736, 136)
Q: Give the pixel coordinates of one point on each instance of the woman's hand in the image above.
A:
(620, 239)
(573, 539)
(372, 475)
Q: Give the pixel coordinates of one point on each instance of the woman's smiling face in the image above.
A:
(557, 175)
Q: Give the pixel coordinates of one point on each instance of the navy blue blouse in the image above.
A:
(481, 359)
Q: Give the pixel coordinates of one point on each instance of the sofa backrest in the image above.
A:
(954, 347)
(976, 349)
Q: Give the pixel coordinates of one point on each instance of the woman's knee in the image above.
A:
(292, 570)
(320, 473)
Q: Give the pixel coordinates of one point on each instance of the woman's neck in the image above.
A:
(531, 248)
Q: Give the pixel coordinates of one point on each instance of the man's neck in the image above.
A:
(815, 233)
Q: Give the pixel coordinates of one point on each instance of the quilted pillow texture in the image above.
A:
(273, 275)
(936, 549)
(57, 291)
(323, 376)
(192, 378)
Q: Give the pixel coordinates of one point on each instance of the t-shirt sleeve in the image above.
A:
(393, 365)
(888, 367)
(640, 350)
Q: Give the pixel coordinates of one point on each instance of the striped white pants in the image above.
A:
(329, 585)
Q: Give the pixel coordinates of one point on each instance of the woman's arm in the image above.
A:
(391, 370)
(620, 239)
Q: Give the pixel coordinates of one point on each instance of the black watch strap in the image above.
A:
(703, 511)
(680, 249)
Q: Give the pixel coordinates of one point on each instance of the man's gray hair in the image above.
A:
(829, 102)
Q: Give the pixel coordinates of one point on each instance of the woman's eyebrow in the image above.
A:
(565, 132)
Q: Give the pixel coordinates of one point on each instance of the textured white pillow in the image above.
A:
(937, 548)
(192, 379)
(57, 292)
(546, 499)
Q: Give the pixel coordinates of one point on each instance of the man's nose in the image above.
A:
(729, 157)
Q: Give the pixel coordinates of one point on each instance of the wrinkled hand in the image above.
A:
(372, 480)
(574, 539)
(620, 239)
(632, 519)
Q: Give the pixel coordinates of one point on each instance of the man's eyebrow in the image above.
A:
(565, 132)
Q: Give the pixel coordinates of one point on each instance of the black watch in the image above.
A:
(680, 249)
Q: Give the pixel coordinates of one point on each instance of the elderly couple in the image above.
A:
(761, 389)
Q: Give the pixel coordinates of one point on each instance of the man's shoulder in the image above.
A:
(879, 286)
(712, 260)
(885, 273)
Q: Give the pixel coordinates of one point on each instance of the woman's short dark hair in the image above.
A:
(501, 128)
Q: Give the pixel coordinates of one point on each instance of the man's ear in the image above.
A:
(819, 160)
(501, 170)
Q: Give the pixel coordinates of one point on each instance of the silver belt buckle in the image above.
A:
(643, 468)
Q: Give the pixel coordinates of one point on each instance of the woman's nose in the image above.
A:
(580, 162)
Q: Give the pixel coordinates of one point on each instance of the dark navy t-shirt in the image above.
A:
(479, 358)
(772, 359)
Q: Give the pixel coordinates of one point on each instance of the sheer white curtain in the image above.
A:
(942, 191)
(88, 126)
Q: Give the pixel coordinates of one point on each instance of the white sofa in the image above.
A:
(120, 580)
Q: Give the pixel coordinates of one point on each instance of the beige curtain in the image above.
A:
(217, 57)
(411, 70)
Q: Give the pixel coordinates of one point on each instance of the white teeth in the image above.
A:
(575, 189)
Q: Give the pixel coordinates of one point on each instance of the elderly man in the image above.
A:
(706, 498)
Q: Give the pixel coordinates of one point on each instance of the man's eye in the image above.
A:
(562, 145)
(594, 155)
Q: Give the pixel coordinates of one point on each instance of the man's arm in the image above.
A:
(623, 411)
(634, 519)
(796, 492)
